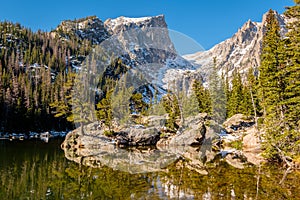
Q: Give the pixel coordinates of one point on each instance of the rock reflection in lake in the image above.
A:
(133, 160)
(35, 170)
(98, 151)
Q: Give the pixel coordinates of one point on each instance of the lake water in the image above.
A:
(35, 170)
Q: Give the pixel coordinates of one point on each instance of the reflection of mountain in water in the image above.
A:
(30, 170)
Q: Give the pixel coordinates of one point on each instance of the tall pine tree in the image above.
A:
(292, 77)
(277, 90)
(217, 94)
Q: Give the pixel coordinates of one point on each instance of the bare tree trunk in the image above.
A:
(289, 170)
(254, 108)
(257, 182)
(286, 159)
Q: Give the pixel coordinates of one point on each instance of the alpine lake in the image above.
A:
(37, 170)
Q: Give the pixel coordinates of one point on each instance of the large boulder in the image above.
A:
(156, 121)
(99, 150)
(138, 136)
(196, 120)
(94, 149)
(194, 133)
(238, 122)
(252, 146)
(251, 141)
(191, 136)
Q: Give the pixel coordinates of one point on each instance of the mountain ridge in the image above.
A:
(241, 51)
(143, 43)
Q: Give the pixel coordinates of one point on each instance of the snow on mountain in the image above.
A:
(142, 43)
(91, 28)
(241, 51)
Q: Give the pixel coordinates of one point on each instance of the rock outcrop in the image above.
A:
(138, 136)
(238, 122)
(94, 149)
(196, 145)
(90, 28)
(241, 129)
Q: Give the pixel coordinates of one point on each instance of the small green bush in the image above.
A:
(108, 133)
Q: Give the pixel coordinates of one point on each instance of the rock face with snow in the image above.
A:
(90, 28)
(142, 43)
(241, 51)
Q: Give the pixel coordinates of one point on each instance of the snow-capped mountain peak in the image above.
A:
(241, 51)
(142, 43)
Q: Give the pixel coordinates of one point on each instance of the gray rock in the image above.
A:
(156, 121)
(251, 141)
(238, 122)
(138, 136)
(190, 136)
(196, 120)
(99, 150)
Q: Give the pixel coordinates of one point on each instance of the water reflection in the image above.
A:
(94, 151)
(132, 160)
(31, 170)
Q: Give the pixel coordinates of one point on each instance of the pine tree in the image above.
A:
(189, 105)
(138, 105)
(292, 77)
(252, 84)
(120, 101)
(217, 95)
(273, 90)
(203, 97)
(270, 79)
(62, 104)
(157, 107)
(236, 95)
(171, 106)
(104, 110)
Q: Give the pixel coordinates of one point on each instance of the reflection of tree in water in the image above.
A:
(46, 174)
(224, 181)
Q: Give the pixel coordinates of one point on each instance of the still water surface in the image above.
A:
(34, 170)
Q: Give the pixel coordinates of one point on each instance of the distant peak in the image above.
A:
(88, 18)
(126, 23)
(135, 19)
(248, 25)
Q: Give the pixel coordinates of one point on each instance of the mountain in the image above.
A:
(241, 51)
(89, 28)
(142, 43)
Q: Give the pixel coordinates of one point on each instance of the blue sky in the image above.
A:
(207, 22)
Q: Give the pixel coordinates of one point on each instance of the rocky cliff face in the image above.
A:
(90, 28)
(142, 43)
(241, 51)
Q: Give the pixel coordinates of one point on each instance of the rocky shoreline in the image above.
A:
(141, 148)
(43, 136)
